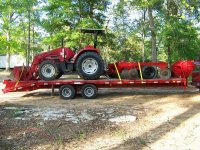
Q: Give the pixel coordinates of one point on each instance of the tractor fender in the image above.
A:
(86, 49)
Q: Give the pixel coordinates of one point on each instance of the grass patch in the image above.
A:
(5, 144)
(119, 132)
(15, 113)
(142, 142)
(54, 134)
(81, 135)
(59, 139)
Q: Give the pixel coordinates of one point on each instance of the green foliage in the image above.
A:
(63, 18)
(182, 38)
(3, 44)
(14, 25)
(51, 21)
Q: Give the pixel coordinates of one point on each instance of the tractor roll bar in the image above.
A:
(95, 32)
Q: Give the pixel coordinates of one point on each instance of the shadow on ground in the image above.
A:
(157, 133)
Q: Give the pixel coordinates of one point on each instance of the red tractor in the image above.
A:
(51, 65)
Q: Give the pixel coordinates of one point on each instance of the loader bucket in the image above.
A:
(183, 68)
(21, 73)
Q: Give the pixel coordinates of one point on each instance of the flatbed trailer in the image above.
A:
(88, 88)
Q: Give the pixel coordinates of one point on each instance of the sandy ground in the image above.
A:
(145, 118)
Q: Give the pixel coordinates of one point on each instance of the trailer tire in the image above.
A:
(90, 66)
(165, 73)
(48, 70)
(89, 91)
(67, 92)
(149, 72)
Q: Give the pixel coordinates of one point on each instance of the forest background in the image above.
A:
(136, 30)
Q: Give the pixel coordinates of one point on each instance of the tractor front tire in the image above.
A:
(48, 70)
(90, 66)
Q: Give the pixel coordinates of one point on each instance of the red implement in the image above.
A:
(122, 65)
(183, 68)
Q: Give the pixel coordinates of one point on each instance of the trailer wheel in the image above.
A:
(48, 70)
(67, 92)
(89, 91)
(90, 65)
(149, 72)
(165, 73)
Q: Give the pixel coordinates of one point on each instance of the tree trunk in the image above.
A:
(8, 46)
(33, 36)
(29, 37)
(143, 46)
(169, 56)
(7, 61)
(153, 35)
(143, 35)
(8, 52)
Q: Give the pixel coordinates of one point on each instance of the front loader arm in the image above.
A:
(56, 54)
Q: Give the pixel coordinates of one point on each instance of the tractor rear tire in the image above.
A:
(149, 72)
(48, 70)
(90, 66)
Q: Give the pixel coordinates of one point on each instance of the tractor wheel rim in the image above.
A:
(89, 66)
(48, 70)
(66, 92)
(89, 91)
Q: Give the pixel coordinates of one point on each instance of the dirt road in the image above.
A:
(149, 119)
